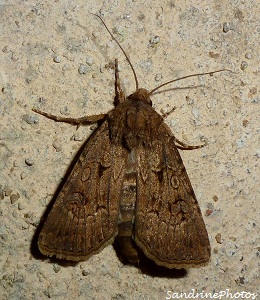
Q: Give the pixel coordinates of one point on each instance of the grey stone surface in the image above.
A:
(42, 46)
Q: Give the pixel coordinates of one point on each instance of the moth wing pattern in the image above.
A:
(169, 227)
(83, 219)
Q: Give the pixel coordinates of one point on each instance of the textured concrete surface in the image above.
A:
(55, 56)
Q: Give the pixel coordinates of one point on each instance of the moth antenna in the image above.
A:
(188, 76)
(127, 58)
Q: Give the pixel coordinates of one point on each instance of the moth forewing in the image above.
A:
(83, 219)
(169, 227)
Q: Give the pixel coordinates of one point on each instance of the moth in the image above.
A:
(129, 183)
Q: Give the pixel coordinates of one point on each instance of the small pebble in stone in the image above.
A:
(126, 17)
(15, 163)
(31, 119)
(218, 238)
(77, 137)
(110, 66)
(208, 105)
(89, 60)
(19, 277)
(226, 27)
(21, 206)
(154, 40)
(85, 273)
(23, 175)
(146, 64)
(29, 161)
(57, 145)
(64, 111)
(208, 212)
(245, 123)
(189, 100)
(56, 268)
(25, 226)
(83, 69)
(65, 67)
(210, 209)
(5, 49)
(41, 100)
(141, 17)
(215, 198)
(14, 197)
(248, 55)
(240, 280)
(240, 144)
(56, 58)
(195, 113)
(243, 65)
(4, 237)
(15, 214)
(93, 127)
(253, 90)
(7, 191)
(158, 77)
(30, 218)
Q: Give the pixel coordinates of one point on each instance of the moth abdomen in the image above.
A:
(126, 234)
(129, 249)
(127, 211)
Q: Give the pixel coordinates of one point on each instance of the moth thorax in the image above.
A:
(141, 95)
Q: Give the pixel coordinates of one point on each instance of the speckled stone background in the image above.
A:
(55, 56)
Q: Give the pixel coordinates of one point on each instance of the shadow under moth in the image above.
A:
(129, 183)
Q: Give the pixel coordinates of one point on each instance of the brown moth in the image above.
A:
(129, 183)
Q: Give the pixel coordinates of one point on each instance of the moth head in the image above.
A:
(141, 95)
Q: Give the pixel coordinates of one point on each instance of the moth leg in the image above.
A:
(78, 121)
(119, 93)
(166, 114)
(184, 146)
